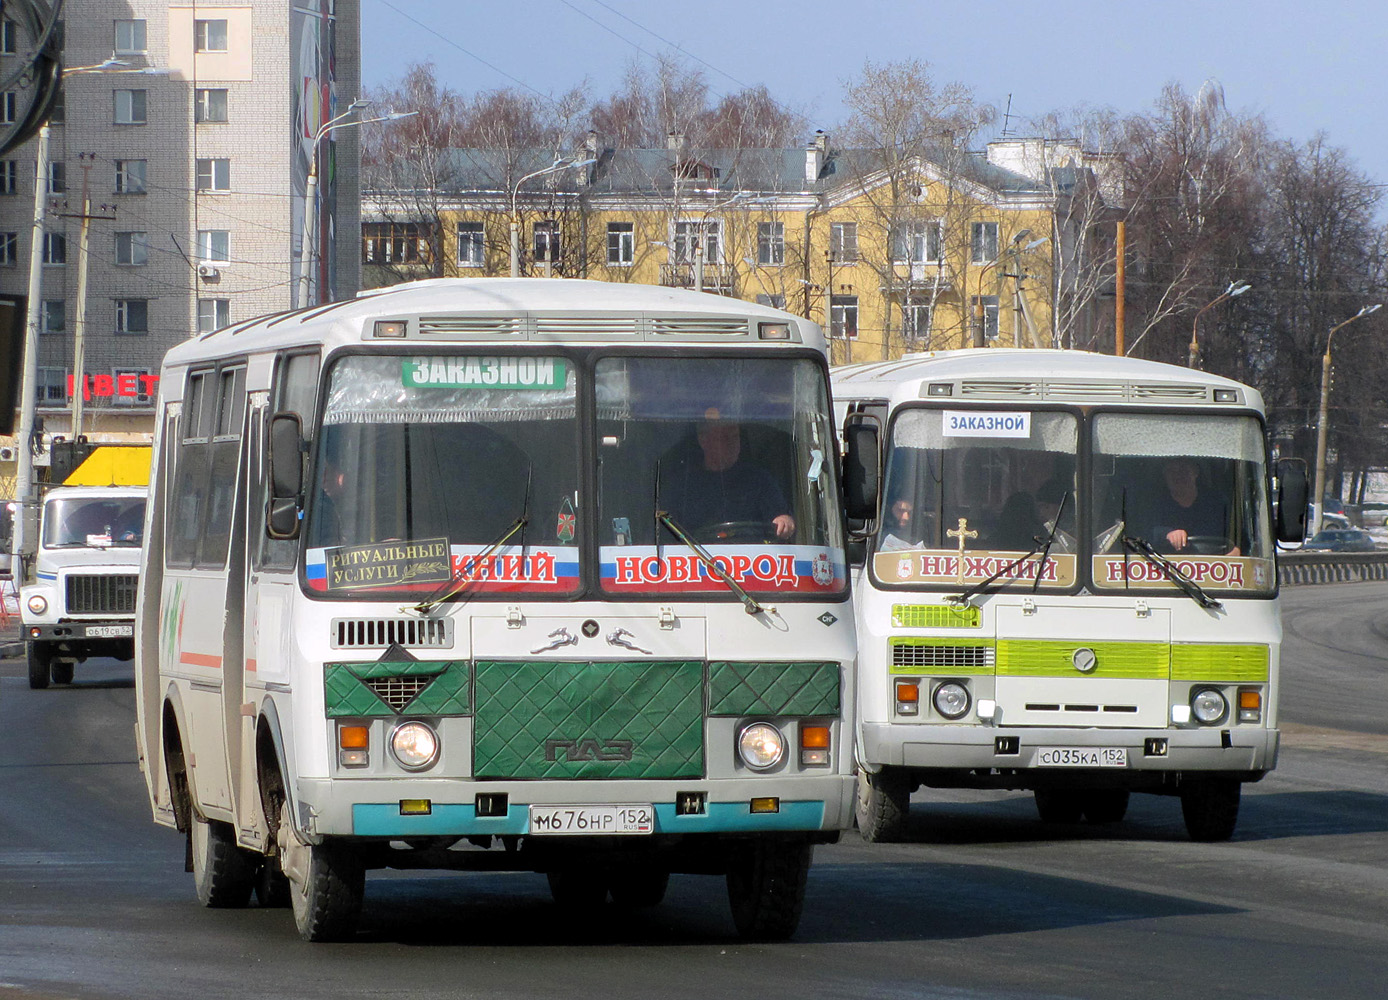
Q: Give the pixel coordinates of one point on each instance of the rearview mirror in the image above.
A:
(862, 468)
(1292, 495)
(286, 476)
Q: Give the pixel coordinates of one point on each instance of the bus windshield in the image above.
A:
(731, 456)
(431, 470)
(968, 493)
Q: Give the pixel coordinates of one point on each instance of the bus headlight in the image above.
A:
(1208, 706)
(414, 745)
(38, 604)
(761, 746)
(951, 699)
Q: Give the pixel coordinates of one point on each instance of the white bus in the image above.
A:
(499, 575)
(1069, 583)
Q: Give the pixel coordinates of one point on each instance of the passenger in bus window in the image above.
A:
(717, 489)
(1183, 513)
(898, 531)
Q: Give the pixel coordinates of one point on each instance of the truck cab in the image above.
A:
(81, 601)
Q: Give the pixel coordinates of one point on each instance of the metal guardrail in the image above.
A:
(1330, 567)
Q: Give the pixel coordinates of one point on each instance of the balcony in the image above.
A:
(924, 274)
(718, 278)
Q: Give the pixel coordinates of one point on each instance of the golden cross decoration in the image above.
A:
(962, 534)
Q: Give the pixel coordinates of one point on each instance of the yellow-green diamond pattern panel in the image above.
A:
(736, 688)
(555, 719)
(391, 688)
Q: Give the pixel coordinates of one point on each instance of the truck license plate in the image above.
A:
(569, 820)
(1082, 757)
(110, 631)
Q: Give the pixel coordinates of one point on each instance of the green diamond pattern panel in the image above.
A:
(736, 688)
(553, 719)
(392, 688)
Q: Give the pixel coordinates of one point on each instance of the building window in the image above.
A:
(395, 243)
(771, 243)
(9, 249)
(130, 37)
(52, 386)
(57, 177)
(621, 244)
(545, 240)
(775, 301)
(214, 245)
(210, 35)
(989, 305)
(915, 321)
(9, 176)
(132, 248)
(213, 314)
(132, 386)
(130, 176)
(843, 317)
(7, 37)
(983, 242)
(214, 174)
(918, 241)
(130, 107)
(843, 242)
(53, 316)
(209, 106)
(132, 316)
(686, 241)
(8, 103)
(472, 248)
(54, 248)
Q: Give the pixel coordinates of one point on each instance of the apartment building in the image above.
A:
(185, 136)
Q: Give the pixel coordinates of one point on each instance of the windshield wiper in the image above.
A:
(454, 585)
(1173, 572)
(1042, 546)
(749, 602)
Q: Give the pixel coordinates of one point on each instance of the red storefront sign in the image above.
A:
(129, 384)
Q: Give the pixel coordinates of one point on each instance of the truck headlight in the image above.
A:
(1208, 706)
(38, 604)
(761, 746)
(414, 745)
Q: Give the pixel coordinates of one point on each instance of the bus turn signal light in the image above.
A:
(1250, 706)
(908, 696)
(814, 745)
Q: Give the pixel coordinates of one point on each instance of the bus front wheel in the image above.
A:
(884, 805)
(326, 884)
(766, 888)
(1211, 808)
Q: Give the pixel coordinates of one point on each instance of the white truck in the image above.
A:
(81, 601)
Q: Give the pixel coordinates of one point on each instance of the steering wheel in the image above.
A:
(1207, 545)
(731, 532)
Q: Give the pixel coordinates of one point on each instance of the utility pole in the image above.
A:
(26, 520)
(79, 326)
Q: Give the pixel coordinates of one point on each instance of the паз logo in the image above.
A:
(588, 749)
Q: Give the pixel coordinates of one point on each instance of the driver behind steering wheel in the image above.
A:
(718, 487)
(1182, 513)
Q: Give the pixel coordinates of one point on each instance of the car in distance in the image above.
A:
(1340, 540)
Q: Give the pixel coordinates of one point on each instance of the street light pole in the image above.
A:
(311, 193)
(1233, 291)
(554, 167)
(1322, 421)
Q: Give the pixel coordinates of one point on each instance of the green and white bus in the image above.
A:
(499, 575)
(1069, 582)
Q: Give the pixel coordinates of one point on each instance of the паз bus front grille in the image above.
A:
(398, 692)
(428, 633)
(941, 657)
(101, 595)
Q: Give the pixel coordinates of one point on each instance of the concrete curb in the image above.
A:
(1348, 567)
(10, 650)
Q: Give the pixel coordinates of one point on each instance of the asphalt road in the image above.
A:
(985, 902)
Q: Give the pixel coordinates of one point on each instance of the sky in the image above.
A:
(1306, 68)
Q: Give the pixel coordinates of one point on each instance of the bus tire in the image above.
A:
(1059, 805)
(883, 805)
(1106, 805)
(61, 670)
(577, 888)
(40, 660)
(1211, 808)
(639, 888)
(766, 888)
(223, 873)
(326, 883)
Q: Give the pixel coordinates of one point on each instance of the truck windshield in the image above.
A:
(1194, 487)
(737, 455)
(968, 493)
(93, 522)
(447, 468)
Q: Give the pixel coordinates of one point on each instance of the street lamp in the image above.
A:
(306, 243)
(555, 167)
(1321, 421)
(1233, 291)
(1014, 250)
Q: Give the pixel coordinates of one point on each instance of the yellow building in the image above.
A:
(922, 252)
